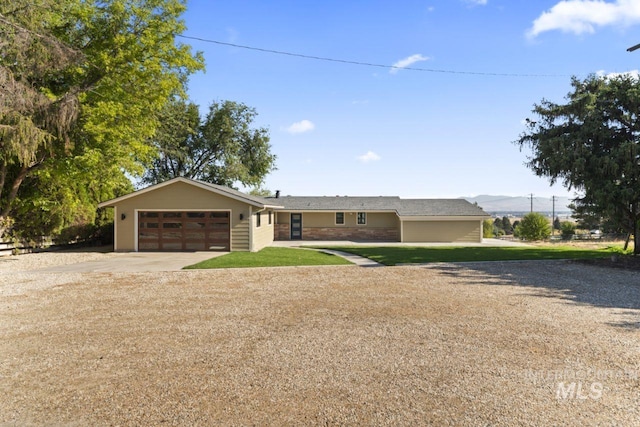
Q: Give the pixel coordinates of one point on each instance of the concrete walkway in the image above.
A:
(355, 259)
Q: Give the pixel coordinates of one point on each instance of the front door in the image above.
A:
(296, 226)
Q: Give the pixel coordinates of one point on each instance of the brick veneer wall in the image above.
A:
(281, 232)
(341, 233)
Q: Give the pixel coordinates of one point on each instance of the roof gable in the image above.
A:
(217, 189)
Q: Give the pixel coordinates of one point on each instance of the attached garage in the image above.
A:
(187, 215)
(184, 230)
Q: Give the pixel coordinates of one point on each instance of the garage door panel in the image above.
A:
(196, 246)
(149, 246)
(183, 231)
(195, 225)
(171, 214)
(172, 246)
(195, 235)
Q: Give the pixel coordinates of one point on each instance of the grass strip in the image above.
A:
(394, 255)
(270, 257)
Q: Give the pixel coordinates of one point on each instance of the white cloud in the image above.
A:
(631, 73)
(232, 35)
(301, 127)
(404, 63)
(477, 2)
(583, 16)
(369, 156)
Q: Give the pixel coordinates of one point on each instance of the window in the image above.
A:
(269, 217)
(362, 218)
(257, 219)
(339, 218)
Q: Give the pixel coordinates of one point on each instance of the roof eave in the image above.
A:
(307, 209)
(442, 217)
(198, 184)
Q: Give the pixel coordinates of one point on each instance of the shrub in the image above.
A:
(534, 226)
(568, 229)
(487, 229)
(75, 234)
(86, 233)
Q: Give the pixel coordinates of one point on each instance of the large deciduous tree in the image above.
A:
(592, 144)
(81, 83)
(222, 149)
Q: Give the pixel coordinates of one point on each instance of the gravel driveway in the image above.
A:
(505, 343)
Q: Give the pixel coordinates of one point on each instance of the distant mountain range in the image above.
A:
(492, 204)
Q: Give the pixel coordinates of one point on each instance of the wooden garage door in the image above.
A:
(183, 231)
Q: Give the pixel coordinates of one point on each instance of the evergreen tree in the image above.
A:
(592, 144)
(506, 225)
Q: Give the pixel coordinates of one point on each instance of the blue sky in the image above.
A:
(346, 129)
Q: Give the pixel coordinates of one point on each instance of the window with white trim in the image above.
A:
(361, 218)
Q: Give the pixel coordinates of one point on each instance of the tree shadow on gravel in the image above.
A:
(571, 281)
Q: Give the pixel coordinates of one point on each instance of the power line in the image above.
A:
(366, 64)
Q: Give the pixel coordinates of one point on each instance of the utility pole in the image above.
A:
(531, 195)
(553, 215)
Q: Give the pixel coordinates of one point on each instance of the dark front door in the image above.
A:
(296, 226)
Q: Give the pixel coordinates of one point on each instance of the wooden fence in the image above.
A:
(12, 248)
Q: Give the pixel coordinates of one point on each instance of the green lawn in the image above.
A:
(394, 255)
(271, 257)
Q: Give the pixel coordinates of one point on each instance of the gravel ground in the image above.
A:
(505, 343)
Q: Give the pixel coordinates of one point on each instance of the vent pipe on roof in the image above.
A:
(277, 194)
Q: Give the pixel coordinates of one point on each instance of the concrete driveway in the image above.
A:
(134, 262)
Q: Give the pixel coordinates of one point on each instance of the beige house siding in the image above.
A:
(282, 217)
(263, 235)
(240, 234)
(442, 231)
(179, 196)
